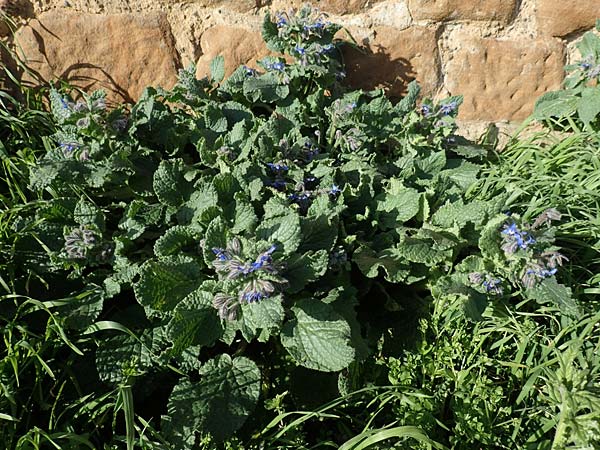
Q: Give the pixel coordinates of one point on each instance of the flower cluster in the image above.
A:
(491, 284)
(542, 262)
(277, 66)
(545, 266)
(428, 110)
(253, 286)
(229, 262)
(590, 70)
(514, 238)
(279, 171)
(82, 243)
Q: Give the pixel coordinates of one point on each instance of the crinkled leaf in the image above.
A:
(245, 217)
(549, 290)
(163, 284)
(589, 106)
(318, 233)
(555, 104)
(281, 230)
(138, 216)
(263, 319)
(217, 69)
(122, 356)
(194, 322)
(170, 185)
(83, 309)
(395, 268)
(303, 269)
(87, 213)
(318, 338)
(175, 240)
(218, 404)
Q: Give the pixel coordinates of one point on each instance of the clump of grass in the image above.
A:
(563, 172)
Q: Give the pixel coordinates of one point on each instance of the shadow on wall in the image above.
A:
(369, 67)
(119, 53)
(83, 75)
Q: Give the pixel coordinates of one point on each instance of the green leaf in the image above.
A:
(245, 217)
(550, 291)
(303, 269)
(218, 404)
(318, 338)
(215, 237)
(138, 216)
(398, 205)
(194, 322)
(217, 69)
(175, 240)
(457, 213)
(86, 213)
(555, 104)
(281, 230)
(318, 233)
(265, 88)
(263, 319)
(121, 357)
(170, 185)
(59, 106)
(419, 251)
(83, 309)
(270, 34)
(202, 201)
(589, 45)
(464, 175)
(589, 106)
(163, 284)
(408, 103)
(396, 268)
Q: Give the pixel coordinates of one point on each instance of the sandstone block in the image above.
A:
(329, 6)
(237, 45)
(11, 11)
(500, 10)
(502, 79)
(393, 59)
(559, 18)
(121, 53)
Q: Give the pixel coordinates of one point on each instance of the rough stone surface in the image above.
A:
(437, 10)
(121, 53)
(393, 58)
(559, 18)
(333, 6)
(237, 45)
(502, 79)
(13, 11)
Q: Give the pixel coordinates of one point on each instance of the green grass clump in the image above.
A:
(560, 171)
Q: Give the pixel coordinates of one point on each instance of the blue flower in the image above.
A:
(511, 230)
(250, 72)
(281, 20)
(335, 190)
(426, 110)
(64, 104)
(278, 167)
(448, 108)
(300, 50)
(279, 66)
(493, 286)
(68, 147)
(221, 254)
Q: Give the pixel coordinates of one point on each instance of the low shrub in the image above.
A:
(229, 250)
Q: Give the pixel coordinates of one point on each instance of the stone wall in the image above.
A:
(500, 54)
